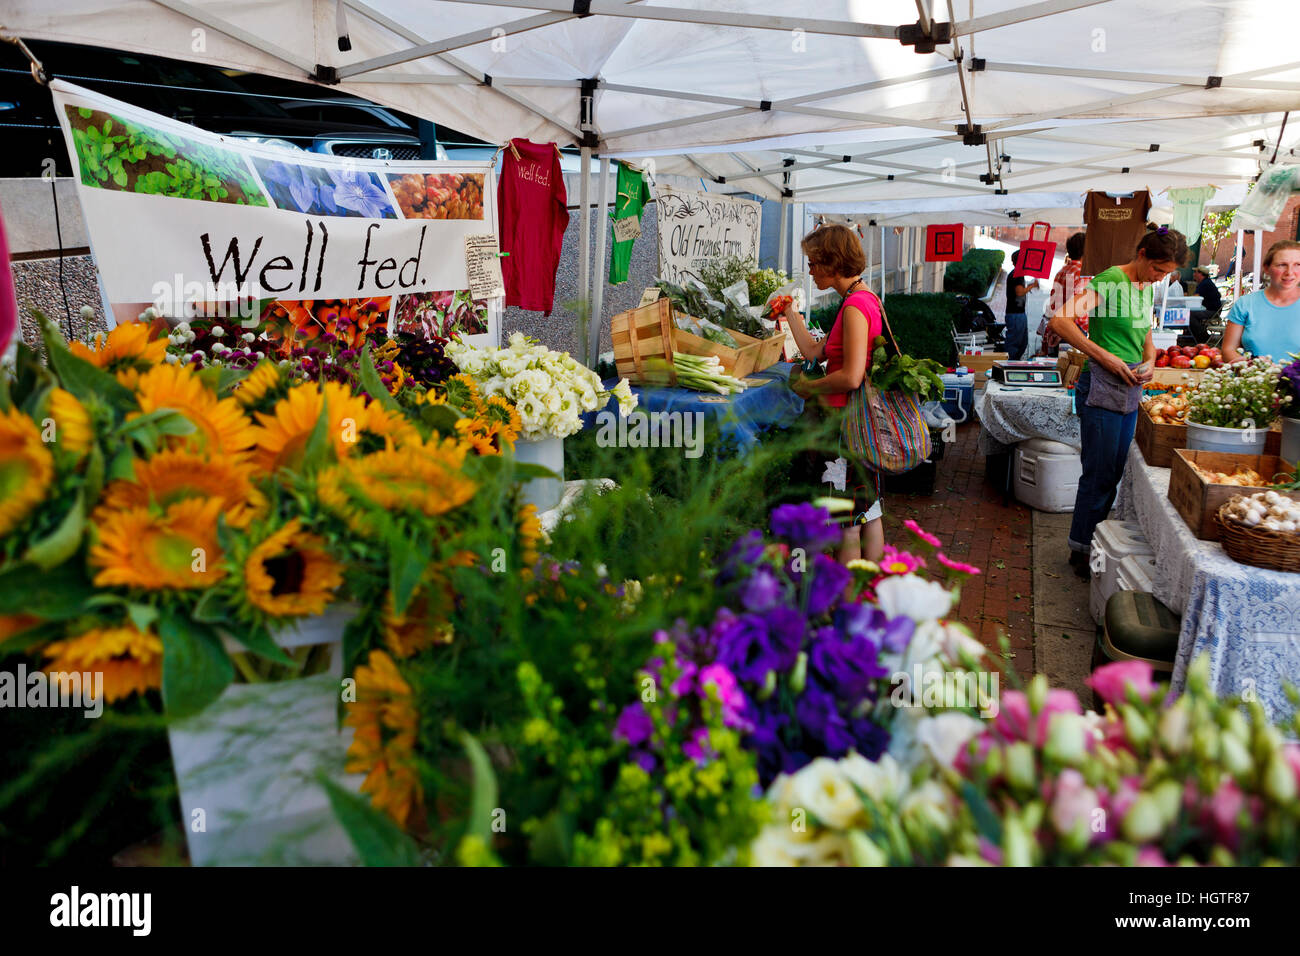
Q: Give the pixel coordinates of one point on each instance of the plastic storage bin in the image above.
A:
(1113, 543)
(1046, 474)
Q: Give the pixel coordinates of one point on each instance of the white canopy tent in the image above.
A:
(921, 98)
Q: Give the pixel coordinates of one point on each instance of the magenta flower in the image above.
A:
(957, 566)
(1150, 856)
(924, 535)
(1013, 720)
(697, 748)
(1111, 680)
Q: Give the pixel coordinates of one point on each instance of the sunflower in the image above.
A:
(425, 620)
(290, 574)
(436, 395)
(176, 474)
(139, 548)
(130, 659)
(127, 351)
(424, 478)
(73, 432)
(282, 436)
(462, 391)
(504, 413)
(12, 624)
(479, 435)
(380, 428)
(385, 722)
(530, 533)
(26, 468)
(264, 382)
(221, 428)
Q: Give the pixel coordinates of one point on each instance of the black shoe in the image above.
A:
(1079, 561)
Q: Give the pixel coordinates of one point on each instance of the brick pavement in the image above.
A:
(968, 516)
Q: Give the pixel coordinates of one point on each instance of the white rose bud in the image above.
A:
(218, 331)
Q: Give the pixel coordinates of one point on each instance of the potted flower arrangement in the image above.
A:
(551, 391)
(1234, 406)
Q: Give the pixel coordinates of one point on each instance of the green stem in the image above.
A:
(245, 667)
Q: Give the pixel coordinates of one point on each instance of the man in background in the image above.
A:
(1018, 287)
(1211, 305)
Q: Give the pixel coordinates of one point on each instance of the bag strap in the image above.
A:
(884, 321)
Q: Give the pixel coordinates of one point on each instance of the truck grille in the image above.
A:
(367, 150)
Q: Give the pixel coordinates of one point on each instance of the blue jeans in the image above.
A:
(1106, 439)
(1017, 335)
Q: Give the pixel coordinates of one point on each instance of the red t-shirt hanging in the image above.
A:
(533, 213)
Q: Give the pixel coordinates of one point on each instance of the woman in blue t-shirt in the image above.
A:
(1268, 322)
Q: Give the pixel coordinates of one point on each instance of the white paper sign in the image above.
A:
(627, 229)
(178, 216)
(483, 267)
(696, 228)
(650, 295)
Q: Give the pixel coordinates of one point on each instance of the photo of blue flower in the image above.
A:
(325, 191)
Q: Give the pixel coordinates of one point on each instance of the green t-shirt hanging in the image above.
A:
(633, 194)
(1122, 318)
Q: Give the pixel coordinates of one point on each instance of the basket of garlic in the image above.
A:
(1262, 530)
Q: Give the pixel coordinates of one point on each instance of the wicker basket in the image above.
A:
(1275, 550)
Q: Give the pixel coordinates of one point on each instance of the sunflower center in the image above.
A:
(14, 474)
(176, 552)
(288, 570)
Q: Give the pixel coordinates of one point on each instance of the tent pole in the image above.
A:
(784, 235)
(598, 278)
(1236, 272)
(584, 252)
(871, 252)
(882, 263)
(1259, 257)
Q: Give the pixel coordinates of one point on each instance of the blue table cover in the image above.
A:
(742, 416)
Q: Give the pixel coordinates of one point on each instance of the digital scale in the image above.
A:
(1030, 374)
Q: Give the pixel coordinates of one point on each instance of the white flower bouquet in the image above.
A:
(550, 389)
(1242, 395)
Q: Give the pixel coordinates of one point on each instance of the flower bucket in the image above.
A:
(246, 766)
(545, 493)
(1290, 450)
(1232, 441)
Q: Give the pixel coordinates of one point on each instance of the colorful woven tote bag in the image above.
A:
(885, 430)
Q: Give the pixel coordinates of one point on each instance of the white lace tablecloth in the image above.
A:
(1009, 415)
(1246, 619)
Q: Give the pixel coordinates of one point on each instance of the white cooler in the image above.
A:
(1046, 474)
(1117, 545)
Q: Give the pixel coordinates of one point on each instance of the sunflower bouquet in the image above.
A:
(148, 505)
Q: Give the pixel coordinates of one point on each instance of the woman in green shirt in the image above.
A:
(1119, 304)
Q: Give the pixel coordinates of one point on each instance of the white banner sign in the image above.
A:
(696, 227)
(189, 221)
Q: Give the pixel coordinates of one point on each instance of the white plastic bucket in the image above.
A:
(545, 493)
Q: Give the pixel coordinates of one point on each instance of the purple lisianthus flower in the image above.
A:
(870, 738)
(787, 628)
(892, 634)
(634, 724)
(358, 192)
(819, 714)
(762, 591)
(846, 666)
(805, 526)
(645, 760)
(830, 578)
(746, 649)
(685, 683)
(745, 553)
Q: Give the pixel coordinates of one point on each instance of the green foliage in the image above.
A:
(763, 283)
(917, 376)
(923, 325)
(718, 274)
(377, 839)
(115, 153)
(1214, 228)
(975, 273)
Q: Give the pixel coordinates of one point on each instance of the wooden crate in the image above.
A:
(1198, 501)
(979, 363)
(1158, 442)
(737, 362)
(769, 352)
(643, 344)
(1174, 376)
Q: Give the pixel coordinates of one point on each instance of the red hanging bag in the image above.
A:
(1036, 255)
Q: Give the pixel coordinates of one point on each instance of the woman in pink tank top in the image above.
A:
(836, 261)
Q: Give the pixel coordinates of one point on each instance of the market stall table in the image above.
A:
(1010, 414)
(768, 402)
(1246, 619)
